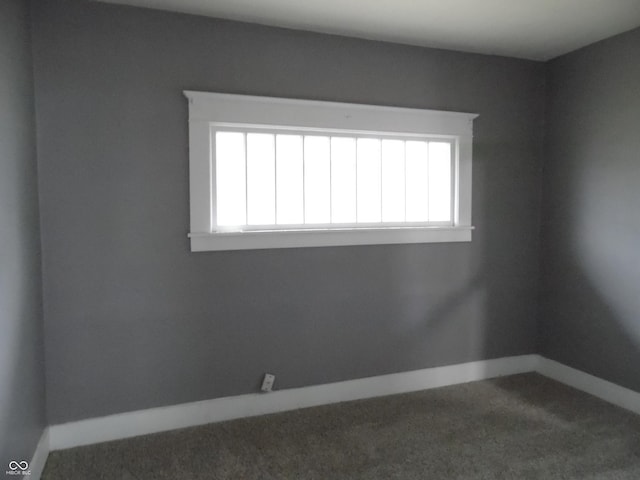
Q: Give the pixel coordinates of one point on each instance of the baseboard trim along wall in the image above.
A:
(36, 465)
(154, 420)
(131, 424)
(603, 389)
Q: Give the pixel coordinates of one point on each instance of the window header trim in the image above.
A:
(285, 112)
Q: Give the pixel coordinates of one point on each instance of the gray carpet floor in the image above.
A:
(519, 427)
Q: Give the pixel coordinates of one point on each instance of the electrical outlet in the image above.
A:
(267, 382)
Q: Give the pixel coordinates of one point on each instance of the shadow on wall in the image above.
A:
(589, 316)
(608, 238)
(444, 307)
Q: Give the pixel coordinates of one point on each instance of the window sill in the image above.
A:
(255, 240)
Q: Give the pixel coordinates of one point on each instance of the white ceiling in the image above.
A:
(534, 29)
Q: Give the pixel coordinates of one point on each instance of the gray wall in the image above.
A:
(22, 400)
(134, 320)
(590, 310)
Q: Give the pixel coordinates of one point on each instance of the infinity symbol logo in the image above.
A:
(23, 465)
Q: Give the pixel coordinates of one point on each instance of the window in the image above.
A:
(277, 173)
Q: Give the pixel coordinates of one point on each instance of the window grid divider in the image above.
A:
(452, 182)
(428, 179)
(246, 179)
(404, 155)
(275, 178)
(356, 180)
(304, 180)
(330, 180)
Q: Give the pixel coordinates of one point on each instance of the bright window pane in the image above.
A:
(393, 192)
(439, 182)
(230, 179)
(417, 160)
(261, 181)
(369, 181)
(266, 179)
(343, 180)
(317, 180)
(289, 180)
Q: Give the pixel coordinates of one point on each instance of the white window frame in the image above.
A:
(207, 109)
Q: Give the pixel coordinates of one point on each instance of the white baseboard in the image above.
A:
(142, 422)
(39, 459)
(131, 424)
(603, 389)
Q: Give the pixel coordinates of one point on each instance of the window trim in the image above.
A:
(207, 108)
